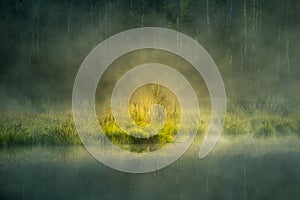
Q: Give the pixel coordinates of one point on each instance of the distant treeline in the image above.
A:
(255, 43)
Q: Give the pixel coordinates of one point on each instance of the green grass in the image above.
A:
(37, 129)
(128, 142)
(57, 128)
(62, 132)
(13, 133)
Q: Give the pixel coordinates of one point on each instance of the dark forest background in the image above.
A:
(255, 43)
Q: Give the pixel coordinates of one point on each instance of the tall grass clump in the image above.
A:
(13, 132)
(236, 125)
(128, 142)
(236, 121)
(266, 128)
(139, 107)
(288, 125)
(62, 132)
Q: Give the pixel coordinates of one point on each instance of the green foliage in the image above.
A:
(235, 125)
(288, 125)
(140, 105)
(62, 132)
(58, 128)
(128, 142)
(261, 116)
(13, 132)
(27, 129)
(266, 129)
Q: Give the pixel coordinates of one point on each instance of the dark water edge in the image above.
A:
(238, 168)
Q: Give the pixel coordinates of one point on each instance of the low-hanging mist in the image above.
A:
(255, 44)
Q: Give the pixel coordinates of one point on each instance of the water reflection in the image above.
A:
(238, 168)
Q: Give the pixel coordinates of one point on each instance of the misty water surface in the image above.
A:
(238, 168)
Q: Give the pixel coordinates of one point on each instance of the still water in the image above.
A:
(238, 168)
